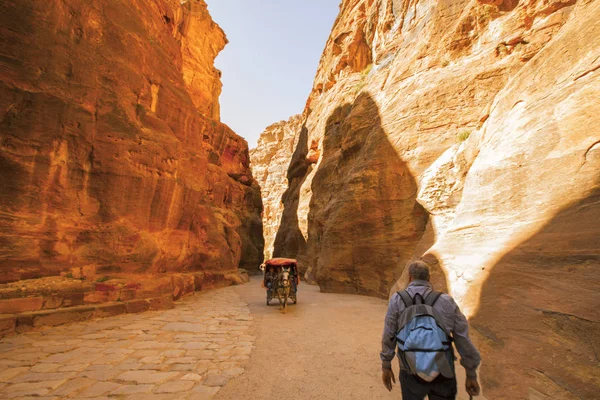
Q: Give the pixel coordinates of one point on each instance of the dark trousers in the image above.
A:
(414, 388)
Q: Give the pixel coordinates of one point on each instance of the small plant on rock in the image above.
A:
(103, 279)
(519, 46)
(366, 71)
(502, 49)
(463, 135)
(363, 78)
(359, 86)
(488, 9)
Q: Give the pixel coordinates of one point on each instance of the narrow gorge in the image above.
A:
(464, 133)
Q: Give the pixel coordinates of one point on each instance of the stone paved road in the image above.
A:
(224, 343)
(189, 352)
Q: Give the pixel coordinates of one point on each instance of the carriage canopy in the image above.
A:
(278, 262)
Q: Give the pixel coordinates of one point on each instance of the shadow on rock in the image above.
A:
(364, 222)
(538, 318)
(289, 241)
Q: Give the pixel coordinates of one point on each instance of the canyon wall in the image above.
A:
(270, 161)
(112, 154)
(464, 133)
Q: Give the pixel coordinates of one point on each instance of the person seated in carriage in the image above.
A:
(270, 275)
(294, 279)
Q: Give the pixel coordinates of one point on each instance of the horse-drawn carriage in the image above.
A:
(281, 280)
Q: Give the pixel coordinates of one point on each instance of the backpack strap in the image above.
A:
(406, 299)
(432, 297)
(418, 299)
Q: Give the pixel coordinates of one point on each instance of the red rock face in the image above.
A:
(112, 156)
(465, 133)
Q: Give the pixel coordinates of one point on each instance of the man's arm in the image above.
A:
(388, 340)
(469, 356)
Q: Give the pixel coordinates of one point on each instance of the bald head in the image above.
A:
(418, 271)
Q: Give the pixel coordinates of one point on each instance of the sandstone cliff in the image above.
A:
(112, 155)
(463, 132)
(270, 161)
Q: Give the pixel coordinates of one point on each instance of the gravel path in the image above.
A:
(325, 347)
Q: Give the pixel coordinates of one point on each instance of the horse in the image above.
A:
(283, 287)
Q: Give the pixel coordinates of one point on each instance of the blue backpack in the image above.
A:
(424, 346)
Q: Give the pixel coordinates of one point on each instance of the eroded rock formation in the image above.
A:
(112, 154)
(463, 132)
(270, 161)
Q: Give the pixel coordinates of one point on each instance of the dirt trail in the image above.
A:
(325, 347)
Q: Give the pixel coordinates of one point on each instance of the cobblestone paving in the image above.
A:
(189, 352)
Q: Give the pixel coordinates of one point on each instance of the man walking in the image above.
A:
(423, 323)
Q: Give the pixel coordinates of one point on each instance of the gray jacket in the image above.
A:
(453, 320)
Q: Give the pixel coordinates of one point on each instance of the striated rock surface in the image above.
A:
(463, 132)
(270, 161)
(112, 154)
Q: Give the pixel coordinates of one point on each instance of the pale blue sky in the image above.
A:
(271, 59)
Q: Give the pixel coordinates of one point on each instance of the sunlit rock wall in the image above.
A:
(270, 161)
(112, 154)
(466, 133)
